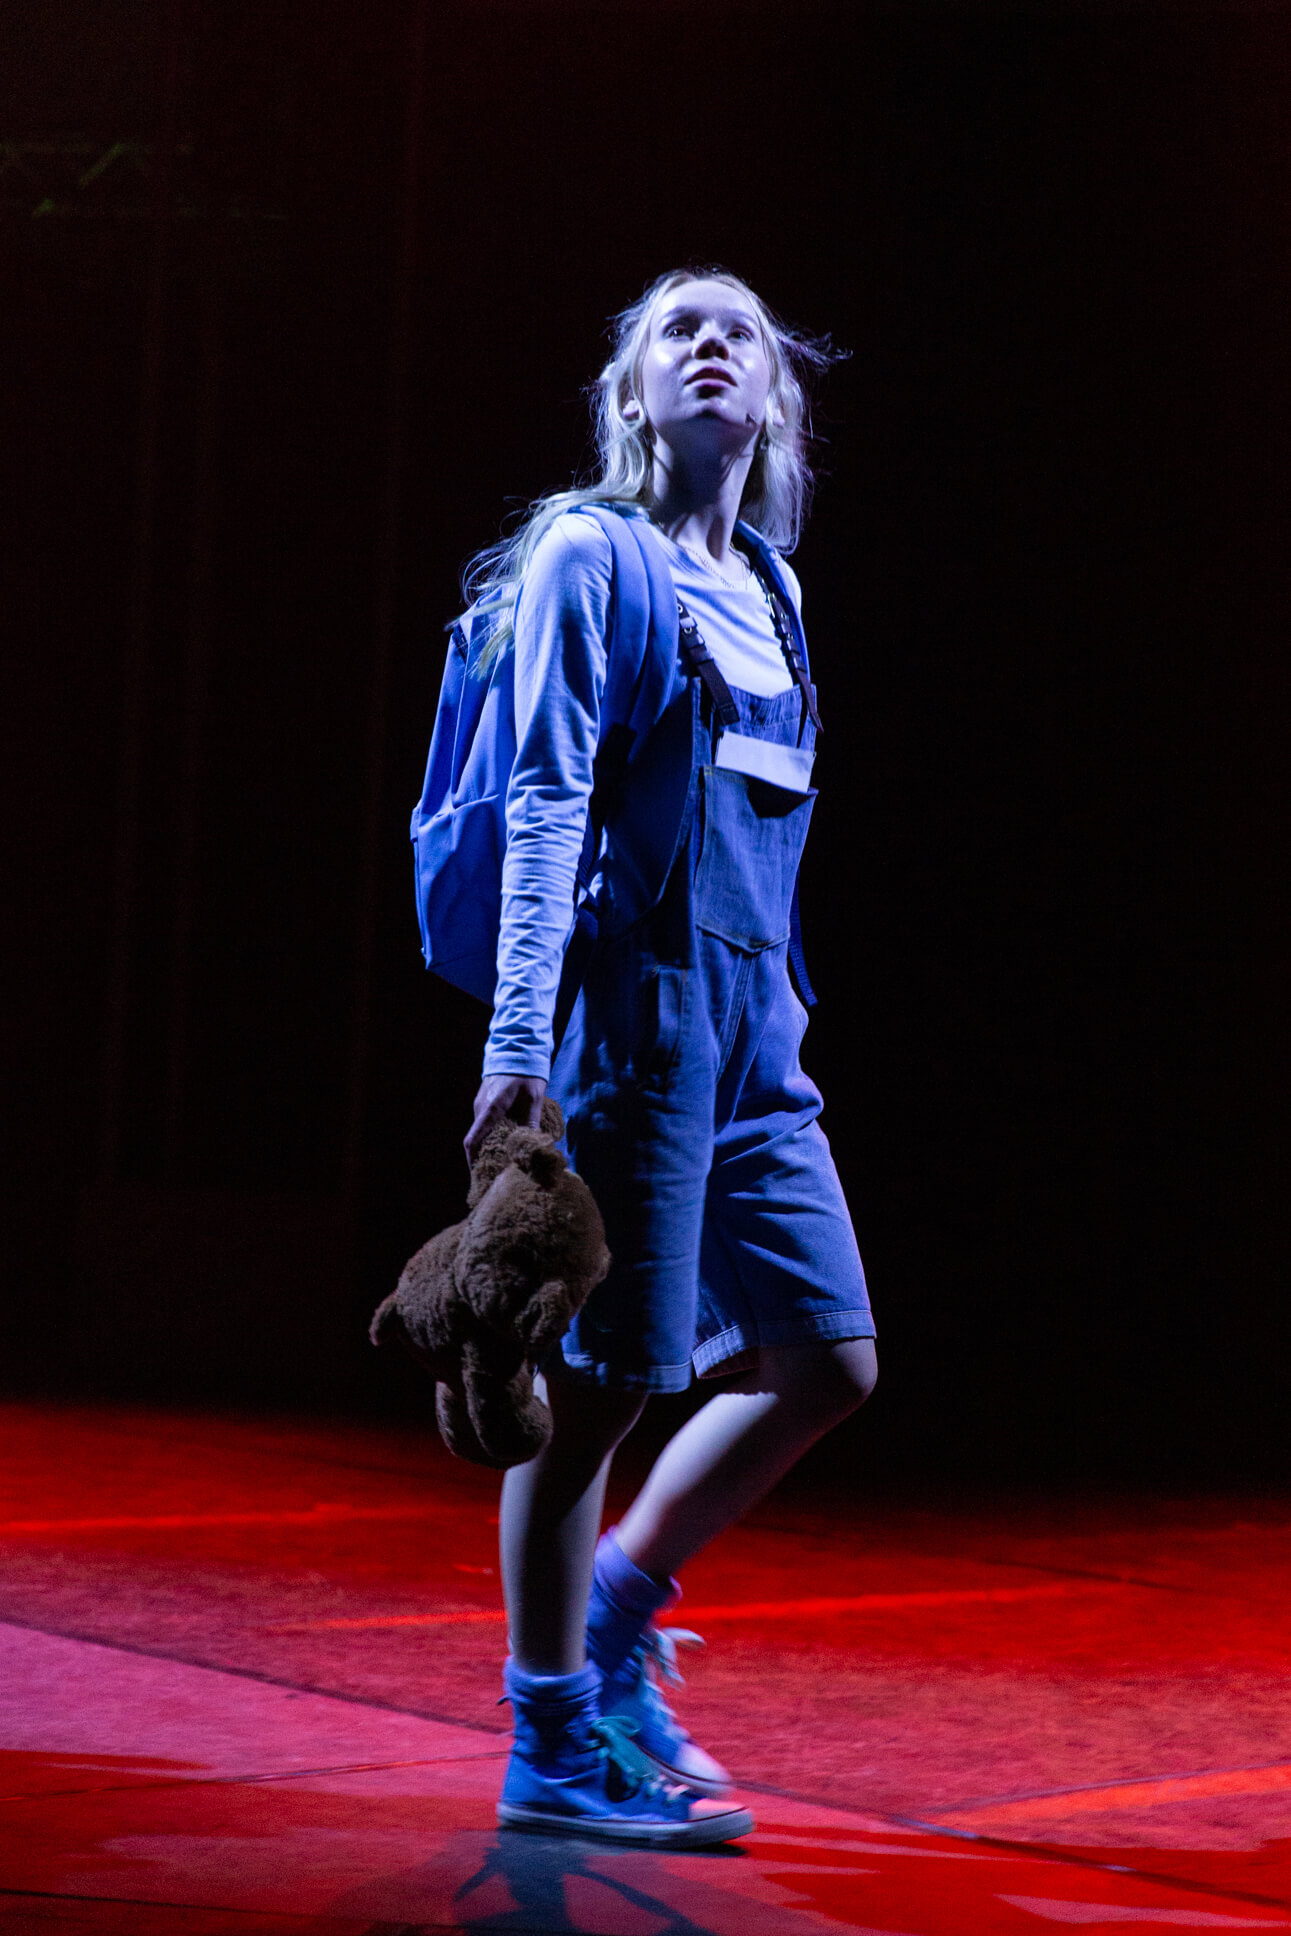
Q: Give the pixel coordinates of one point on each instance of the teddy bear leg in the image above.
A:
(455, 1428)
(510, 1420)
(544, 1319)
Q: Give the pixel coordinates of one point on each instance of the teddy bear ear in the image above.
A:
(553, 1119)
(530, 1150)
(546, 1164)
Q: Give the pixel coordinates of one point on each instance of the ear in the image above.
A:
(632, 410)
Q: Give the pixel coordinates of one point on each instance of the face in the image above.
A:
(705, 373)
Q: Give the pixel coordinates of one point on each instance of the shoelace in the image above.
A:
(660, 1645)
(613, 1734)
(614, 1744)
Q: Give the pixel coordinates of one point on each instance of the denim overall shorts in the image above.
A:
(688, 1112)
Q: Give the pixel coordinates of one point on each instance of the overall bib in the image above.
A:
(688, 1112)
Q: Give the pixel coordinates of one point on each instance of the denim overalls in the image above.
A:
(687, 1110)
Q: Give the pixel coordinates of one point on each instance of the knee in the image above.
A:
(834, 1380)
(849, 1374)
(857, 1369)
(587, 1418)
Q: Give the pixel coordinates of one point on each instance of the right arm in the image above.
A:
(561, 625)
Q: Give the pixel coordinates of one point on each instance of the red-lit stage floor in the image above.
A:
(248, 1675)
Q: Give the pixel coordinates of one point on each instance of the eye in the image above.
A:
(677, 329)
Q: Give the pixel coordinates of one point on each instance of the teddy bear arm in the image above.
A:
(545, 1318)
(497, 1266)
(427, 1298)
(389, 1327)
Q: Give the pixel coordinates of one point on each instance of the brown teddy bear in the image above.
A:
(484, 1301)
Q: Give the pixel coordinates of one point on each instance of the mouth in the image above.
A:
(711, 376)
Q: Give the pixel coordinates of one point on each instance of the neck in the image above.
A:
(697, 499)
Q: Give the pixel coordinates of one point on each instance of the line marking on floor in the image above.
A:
(1154, 1792)
(1054, 1910)
(884, 1602)
(995, 1845)
(179, 1522)
(247, 1780)
(259, 1676)
(340, 1512)
(449, 1617)
(739, 1610)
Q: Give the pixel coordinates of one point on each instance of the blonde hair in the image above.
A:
(778, 490)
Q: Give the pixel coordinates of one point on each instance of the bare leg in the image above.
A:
(551, 1517)
(725, 1458)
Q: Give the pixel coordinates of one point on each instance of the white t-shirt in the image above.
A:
(736, 626)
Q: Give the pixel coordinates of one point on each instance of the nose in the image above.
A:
(709, 340)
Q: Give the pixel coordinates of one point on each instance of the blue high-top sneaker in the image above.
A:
(573, 1772)
(631, 1655)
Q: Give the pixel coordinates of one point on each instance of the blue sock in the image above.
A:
(623, 1600)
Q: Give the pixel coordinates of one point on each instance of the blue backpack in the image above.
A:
(459, 831)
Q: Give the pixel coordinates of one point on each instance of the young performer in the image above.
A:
(687, 1110)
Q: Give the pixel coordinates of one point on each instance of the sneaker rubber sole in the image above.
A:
(705, 1831)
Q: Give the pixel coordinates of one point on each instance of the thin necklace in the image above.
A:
(708, 565)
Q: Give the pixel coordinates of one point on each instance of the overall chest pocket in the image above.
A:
(752, 835)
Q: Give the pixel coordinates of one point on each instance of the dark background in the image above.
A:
(298, 301)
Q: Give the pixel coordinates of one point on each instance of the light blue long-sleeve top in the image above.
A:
(561, 628)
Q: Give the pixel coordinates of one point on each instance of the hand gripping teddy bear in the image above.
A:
(483, 1302)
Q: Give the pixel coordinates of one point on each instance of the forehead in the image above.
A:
(709, 296)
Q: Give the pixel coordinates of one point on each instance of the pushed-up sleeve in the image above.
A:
(561, 624)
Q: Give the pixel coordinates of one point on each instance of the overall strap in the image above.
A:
(700, 661)
(789, 646)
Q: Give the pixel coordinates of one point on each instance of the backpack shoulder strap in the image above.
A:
(767, 563)
(642, 646)
(641, 654)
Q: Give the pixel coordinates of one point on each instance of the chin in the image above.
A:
(718, 410)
